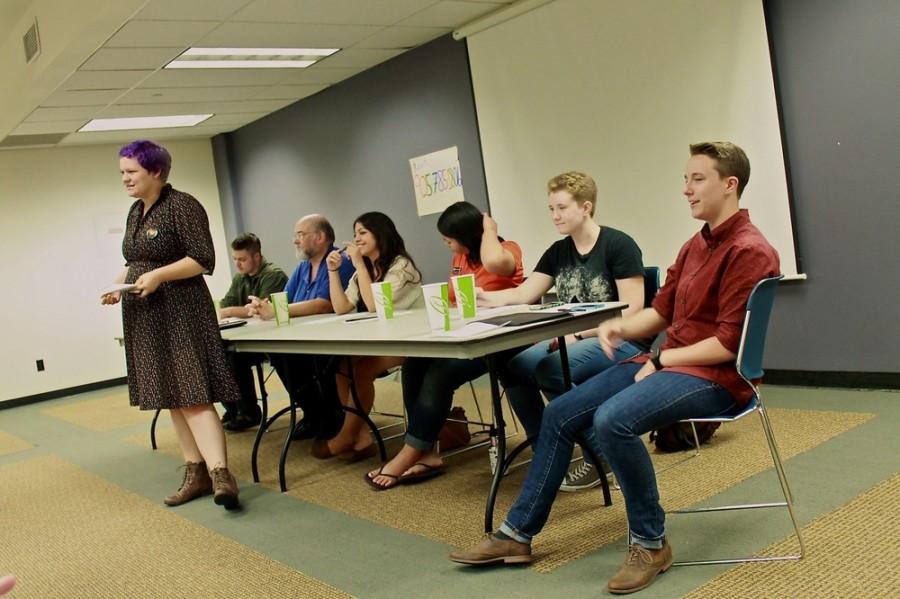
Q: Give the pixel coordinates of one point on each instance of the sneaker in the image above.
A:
(582, 476)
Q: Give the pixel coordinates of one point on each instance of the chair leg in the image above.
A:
(788, 504)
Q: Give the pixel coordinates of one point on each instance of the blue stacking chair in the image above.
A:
(749, 366)
(651, 284)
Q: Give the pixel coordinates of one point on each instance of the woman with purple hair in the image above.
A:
(173, 351)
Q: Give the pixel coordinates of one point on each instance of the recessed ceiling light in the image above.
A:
(239, 64)
(249, 58)
(145, 122)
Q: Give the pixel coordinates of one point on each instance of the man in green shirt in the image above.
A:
(258, 278)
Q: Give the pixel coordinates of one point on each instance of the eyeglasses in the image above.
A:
(299, 235)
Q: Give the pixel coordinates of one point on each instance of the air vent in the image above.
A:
(25, 141)
(32, 43)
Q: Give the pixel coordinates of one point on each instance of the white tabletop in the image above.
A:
(408, 334)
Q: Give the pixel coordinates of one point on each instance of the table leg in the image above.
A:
(263, 421)
(585, 448)
(153, 430)
(357, 409)
(282, 461)
(499, 433)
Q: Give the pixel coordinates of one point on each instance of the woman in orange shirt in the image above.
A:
(429, 383)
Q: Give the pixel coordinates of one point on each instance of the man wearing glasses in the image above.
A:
(308, 294)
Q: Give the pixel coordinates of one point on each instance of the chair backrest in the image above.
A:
(756, 323)
(651, 284)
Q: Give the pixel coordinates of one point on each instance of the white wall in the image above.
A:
(619, 90)
(62, 215)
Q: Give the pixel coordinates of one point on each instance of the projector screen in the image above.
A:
(618, 90)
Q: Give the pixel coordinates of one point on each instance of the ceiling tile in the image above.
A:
(160, 34)
(358, 58)
(233, 120)
(120, 59)
(191, 10)
(319, 75)
(39, 115)
(254, 35)
(94, 97)
(335, 12)
(402, 37)
(127, 110)
(450, 14)
(53, 127)
(83, 80)
(213, 77)
(188, 94)
(288, 92)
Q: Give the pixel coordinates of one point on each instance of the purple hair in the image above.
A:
(150, 155)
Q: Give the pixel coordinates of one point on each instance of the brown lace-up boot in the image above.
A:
(225, 488)
(196, 484)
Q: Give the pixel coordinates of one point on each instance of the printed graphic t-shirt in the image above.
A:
(592, 277)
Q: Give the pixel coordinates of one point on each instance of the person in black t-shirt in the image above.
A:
(591, 264)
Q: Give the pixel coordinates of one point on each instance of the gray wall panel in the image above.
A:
(345, 151)
(836, 66)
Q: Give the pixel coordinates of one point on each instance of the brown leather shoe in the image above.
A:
(196, 483)
(494, 551)
(225, 488)
(640, 569)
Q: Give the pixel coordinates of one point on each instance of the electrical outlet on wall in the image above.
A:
(40, 365)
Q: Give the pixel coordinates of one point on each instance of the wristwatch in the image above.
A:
(578, 336)
(654, 359)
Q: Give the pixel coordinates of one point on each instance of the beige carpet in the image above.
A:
(104, 412)
(450, 508)
(10, 443)
(851, 552)
(68, 533)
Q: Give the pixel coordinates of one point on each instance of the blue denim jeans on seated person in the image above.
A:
(619, 411)
(428, 386)
(536, 369)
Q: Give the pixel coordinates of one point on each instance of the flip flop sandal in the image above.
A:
(376, 486)
(417, 477)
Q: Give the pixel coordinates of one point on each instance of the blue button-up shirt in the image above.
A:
(300, 288)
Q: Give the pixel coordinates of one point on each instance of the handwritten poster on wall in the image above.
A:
(437, 180)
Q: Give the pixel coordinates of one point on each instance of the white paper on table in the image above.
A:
(123, 287)
(366, 316)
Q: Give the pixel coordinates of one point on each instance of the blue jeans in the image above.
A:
(619, 411)
(428, 386)
(535, 370)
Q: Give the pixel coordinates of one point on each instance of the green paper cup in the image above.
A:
(384, 300)
(437, 304)
(464, 288)
(280, 305)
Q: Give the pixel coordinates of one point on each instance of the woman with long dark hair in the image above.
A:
(428, 383)
(379, 255)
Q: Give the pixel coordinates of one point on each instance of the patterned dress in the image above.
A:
(173, 350)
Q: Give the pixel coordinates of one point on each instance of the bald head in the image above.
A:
(313, 237)
(317, 222)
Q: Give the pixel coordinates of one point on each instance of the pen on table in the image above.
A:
(361, 318)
